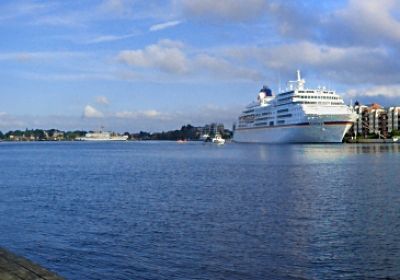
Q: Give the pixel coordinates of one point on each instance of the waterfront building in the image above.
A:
(361, 125)
(393, 119)
(374, 119)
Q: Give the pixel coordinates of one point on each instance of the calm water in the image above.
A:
(194, 211)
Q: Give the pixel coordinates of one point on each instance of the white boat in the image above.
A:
(204, 137)
(218, 139)
(296, 115)
(103, 136)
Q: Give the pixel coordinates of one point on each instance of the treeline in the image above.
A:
(187, 132)
(41, 135)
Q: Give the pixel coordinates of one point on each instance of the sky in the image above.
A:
(153, 65)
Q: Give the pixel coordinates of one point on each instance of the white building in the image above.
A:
(374, 119)
(393, 118)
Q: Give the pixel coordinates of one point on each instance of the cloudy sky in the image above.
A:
(154, 65)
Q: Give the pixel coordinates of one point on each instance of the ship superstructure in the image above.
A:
(296, 115)
(103, 136)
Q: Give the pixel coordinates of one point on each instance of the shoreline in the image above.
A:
(372, 141)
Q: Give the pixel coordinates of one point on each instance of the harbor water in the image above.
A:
(163, 210)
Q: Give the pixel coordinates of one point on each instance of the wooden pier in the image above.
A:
(13, 267)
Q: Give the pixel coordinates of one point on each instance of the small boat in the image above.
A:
(218, 139)
(205, 137)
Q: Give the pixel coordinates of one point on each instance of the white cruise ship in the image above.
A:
(102, 136)
(296, 115)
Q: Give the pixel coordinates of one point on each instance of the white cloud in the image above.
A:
(166, 56)
(223, 69)
(103, 100)
(109, 38)
(375, 21)
(91, 112)
(147, 114)
(346, 65)
(116, 7)
(165, 25)
(20, 9)
(88, 76)
(30, 56)
(169, 57)
(66, 20)
(390, 91)
(8, 122)
(344, 23)
(231, 10)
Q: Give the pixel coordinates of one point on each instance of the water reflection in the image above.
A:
(319, 153)
(295, 153)
(374, 148)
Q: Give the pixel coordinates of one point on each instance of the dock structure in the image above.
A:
(13, 267)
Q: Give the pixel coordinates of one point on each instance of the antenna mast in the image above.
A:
(279, 82)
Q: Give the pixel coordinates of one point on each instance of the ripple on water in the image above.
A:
(168, 211)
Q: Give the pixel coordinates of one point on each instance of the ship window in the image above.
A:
(264, 118)
(285, 116)
(248, 111)
(286, 93)
(281, 122)
(261, 123)
(283, 110)
(271, 123)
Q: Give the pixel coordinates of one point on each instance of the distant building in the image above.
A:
(361, 126)
(393, 119)
(374, 119)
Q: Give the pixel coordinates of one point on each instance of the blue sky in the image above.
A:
(133, 65)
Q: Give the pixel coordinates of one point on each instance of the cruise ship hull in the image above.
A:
(328, 132)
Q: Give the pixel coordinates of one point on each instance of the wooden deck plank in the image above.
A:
(13, 267)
